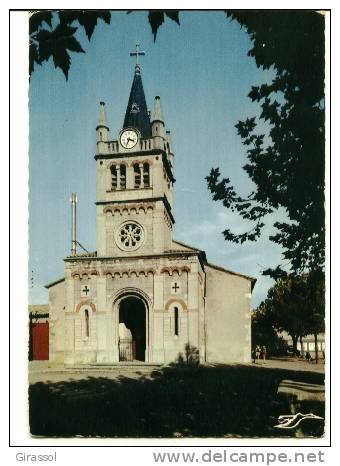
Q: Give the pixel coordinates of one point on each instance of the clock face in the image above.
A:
(129, 138)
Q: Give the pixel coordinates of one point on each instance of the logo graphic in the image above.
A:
(290, 421)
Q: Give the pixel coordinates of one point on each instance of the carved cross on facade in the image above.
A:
(175, 287)
(85, 290)
(136, 54)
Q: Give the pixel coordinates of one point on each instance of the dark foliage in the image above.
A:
(156, 19)
(224, 401)
(296, 305)
(58, 41)
(264, 333)
(286, 163)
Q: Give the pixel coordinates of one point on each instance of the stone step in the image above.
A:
(302, 391)
(120, 366)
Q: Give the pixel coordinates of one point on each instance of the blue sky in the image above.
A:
(203, 74)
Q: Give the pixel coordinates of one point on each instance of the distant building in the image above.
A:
(142, 296)
(308, 344)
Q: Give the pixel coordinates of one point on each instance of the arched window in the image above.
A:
(146, 175)
(122, 177)
(113, 177)
(118, 177)
(87, 323)
(136, 170)
(176, 327)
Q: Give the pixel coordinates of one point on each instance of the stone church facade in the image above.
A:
(142, 296)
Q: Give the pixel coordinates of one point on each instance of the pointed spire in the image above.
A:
(136, 115)
(157, 113)
(102, 116)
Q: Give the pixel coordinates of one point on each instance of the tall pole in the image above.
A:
(73, 201)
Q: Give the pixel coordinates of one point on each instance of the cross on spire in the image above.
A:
(137, 54)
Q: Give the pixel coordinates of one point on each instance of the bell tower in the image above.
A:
(134, 179)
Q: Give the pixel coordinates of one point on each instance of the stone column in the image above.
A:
(193, 306)
(150, 174)
(156, 326)
(114, 333)
(108, 181)
(69, 339)
(103, 183)
(69, 291)
(69, 316)
(158, 228)
(101, 293)
(157, 176)
(101, 231)
(118, 176)
(141, 168)
(130, 182)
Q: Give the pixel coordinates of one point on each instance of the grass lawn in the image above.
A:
(178, 401)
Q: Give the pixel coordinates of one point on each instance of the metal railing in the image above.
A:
(126, 350)
(144, 144)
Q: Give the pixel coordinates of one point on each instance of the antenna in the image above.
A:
(73, 200)
(74, 242)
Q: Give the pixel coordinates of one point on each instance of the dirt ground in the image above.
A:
(171, 401)
(44, 371)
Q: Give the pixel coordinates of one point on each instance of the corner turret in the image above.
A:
(158, 124)
(102, 130)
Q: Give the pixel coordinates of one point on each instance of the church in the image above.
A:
(143, 297)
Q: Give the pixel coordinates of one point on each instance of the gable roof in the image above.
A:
(231, 272)
(186, 247)
(55, 282)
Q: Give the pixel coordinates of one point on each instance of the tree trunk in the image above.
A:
(301, 346)
(316, 348)
(295, 340)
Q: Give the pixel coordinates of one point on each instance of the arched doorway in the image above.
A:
(132, 329)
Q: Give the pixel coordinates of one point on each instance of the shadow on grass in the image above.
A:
(174, 401)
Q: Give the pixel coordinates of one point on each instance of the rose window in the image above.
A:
(130, 236)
